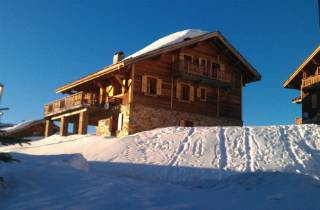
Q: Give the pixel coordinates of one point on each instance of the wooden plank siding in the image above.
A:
(161, 67)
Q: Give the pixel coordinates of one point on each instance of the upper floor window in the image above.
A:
(215, 68)
(202, 62)
(188, 58)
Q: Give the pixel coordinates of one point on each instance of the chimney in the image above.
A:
(118, 56)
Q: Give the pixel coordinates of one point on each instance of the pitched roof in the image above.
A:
(292, 81)
(166, 44)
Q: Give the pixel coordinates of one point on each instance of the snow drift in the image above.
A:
(261, 168)
(193, 154)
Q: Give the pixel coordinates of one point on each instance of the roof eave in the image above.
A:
(286, 84)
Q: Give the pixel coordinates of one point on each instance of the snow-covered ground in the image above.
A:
(272, 167)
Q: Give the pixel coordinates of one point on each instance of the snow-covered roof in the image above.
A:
(19, 126)
(168, 40)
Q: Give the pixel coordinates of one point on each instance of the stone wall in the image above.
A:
(105, 126)
(146, 117)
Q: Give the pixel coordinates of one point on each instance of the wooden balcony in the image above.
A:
(201, 74)
(78, 100)
(310, 81)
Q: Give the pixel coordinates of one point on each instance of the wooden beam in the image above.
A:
(48, 128)
(64, 126)
(218, 103)
(68, 114)
(131, 84)
(75, 127)
(83, 123)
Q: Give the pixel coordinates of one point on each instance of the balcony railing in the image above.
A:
(182, 68)
(78, 100)
(310, 81)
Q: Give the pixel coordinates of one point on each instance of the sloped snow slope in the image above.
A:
(272, 167)
(219, 151)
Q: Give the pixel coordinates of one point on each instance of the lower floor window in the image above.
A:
(185, 92)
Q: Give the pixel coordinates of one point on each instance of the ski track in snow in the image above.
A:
(290, 149)
(248, 148)
(184, 145)
(223, 148)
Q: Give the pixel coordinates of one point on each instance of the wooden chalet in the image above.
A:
(189, 78)
(306, 79)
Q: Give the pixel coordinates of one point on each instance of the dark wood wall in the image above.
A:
(161, 66)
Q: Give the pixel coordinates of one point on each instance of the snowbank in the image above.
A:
(261, 168)
(189, 154)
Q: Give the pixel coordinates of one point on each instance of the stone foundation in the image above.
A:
(146, 118)
(119, 128)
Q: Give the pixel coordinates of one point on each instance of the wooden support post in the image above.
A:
(218, 103)
(48, 128)
(83, 123)
(64, 126)
(75, 127)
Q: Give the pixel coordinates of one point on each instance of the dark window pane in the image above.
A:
(152, 86)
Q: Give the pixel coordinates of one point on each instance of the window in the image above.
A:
(215, 68)
(151, 86)
(187, 58)
(202, 62)
(185, 94)
(202, 93)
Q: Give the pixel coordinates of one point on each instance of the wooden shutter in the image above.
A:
(191, 93)
(178, 90)
(159, 86)
(144, 84)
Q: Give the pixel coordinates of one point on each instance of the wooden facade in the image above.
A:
(198, 81)
(306, 79)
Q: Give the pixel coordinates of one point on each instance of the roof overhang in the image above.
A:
(251, 72)
(289, 82)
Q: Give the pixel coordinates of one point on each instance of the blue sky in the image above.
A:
(45, 44)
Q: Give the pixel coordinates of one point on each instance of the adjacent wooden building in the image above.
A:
(306, 79)
(189, 78)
